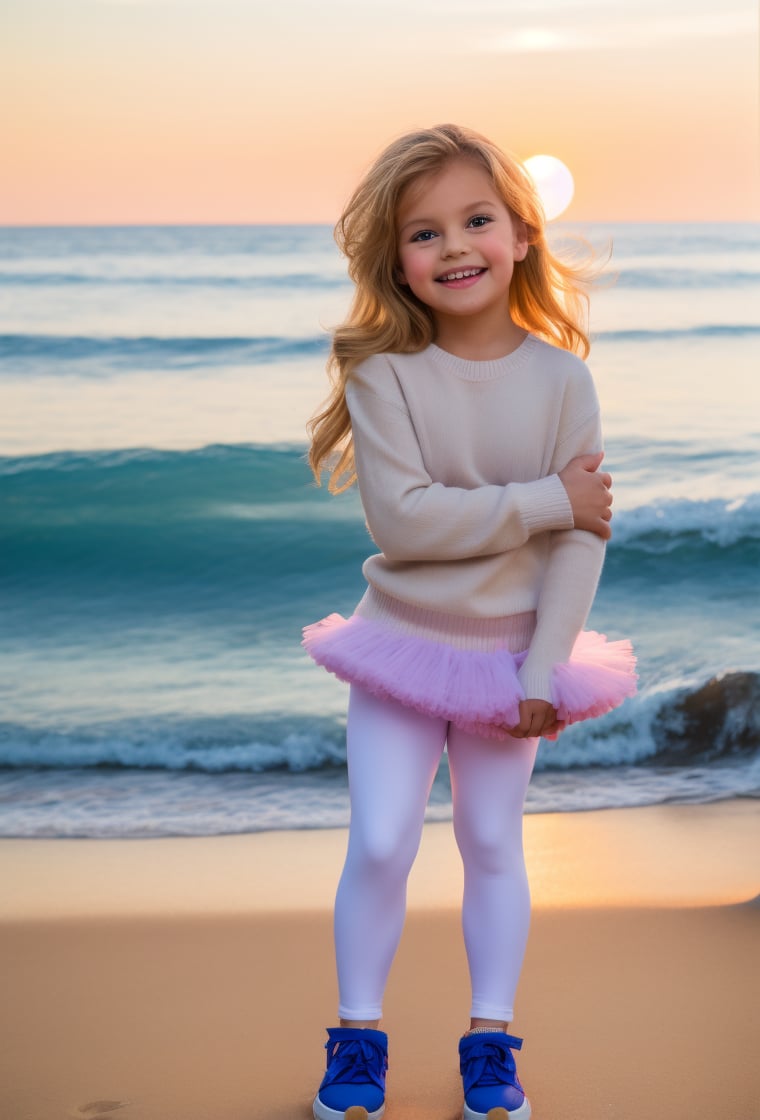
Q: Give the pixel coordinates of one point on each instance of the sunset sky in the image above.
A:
(182, 111)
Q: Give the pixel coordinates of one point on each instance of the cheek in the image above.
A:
(499, 254)
(414, 269)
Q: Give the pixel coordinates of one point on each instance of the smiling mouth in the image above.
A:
(460, 274)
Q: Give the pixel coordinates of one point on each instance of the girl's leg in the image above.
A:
(489, 780)
(393, 755)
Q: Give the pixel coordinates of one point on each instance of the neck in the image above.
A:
(479, 340)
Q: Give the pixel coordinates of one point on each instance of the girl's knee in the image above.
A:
(490, 848)
(384, 851)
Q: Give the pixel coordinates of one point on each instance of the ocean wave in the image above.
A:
(666, 525)
(688, 278)
(132, 354)
(291, 281)
(717, 721)
(129, 803)
(63, 355)
(669, 334)
(143, 527)
(272, 459)
(211, 746)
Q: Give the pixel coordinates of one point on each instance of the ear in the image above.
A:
(520, 241)
(400, 276)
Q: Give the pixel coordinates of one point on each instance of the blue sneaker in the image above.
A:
(489, 1075)
(355, 1080)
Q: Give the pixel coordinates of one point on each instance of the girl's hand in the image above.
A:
(537, 717)
(589, 492)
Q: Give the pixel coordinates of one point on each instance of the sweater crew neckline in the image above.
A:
(488, 370)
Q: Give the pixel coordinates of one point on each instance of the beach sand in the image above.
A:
(191, 979)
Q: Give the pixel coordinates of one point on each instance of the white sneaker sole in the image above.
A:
(355, 1112)
(521, 1113)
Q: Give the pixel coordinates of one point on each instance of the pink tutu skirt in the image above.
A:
(477, 690)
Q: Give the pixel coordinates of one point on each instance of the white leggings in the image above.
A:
(393, 755)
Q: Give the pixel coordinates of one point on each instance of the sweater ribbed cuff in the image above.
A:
(536, 681)
(546, 506)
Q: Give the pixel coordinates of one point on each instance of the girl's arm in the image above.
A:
(569, 584)
(412, 518)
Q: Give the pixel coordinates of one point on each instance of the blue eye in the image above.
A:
(480, 220)
(423, 235)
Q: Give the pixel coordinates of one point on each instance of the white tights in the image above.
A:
(393, 755)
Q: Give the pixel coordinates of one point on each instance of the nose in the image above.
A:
(454, 243)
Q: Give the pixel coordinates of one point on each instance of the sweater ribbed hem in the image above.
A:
(512, 632)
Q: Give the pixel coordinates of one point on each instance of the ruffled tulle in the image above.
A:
(476, 690)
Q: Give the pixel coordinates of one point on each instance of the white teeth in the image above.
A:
(462, 275)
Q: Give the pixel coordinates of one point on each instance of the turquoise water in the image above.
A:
(161, 541)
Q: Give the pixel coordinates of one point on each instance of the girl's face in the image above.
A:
(457, 242)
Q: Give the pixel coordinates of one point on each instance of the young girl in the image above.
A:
(473, 432)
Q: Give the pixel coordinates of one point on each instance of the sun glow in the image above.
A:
(554, 184)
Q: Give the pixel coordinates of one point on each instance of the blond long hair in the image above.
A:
(547, 295)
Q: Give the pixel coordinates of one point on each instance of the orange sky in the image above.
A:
(152, 111)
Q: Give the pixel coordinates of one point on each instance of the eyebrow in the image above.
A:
(483, 202)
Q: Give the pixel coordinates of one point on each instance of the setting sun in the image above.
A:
(554, 184)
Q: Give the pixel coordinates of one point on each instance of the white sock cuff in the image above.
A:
(491, 1011)
(360, 1014)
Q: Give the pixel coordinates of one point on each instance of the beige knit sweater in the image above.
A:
(457, 467)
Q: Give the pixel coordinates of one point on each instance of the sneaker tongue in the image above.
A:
(489, 1078)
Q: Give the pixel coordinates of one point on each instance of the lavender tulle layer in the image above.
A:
(477, 690)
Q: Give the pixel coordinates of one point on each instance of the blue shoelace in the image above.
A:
(490, 1063)
(355, 1062)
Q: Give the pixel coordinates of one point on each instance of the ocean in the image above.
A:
(162, 542)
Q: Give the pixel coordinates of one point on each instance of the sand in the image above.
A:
(191, 979)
